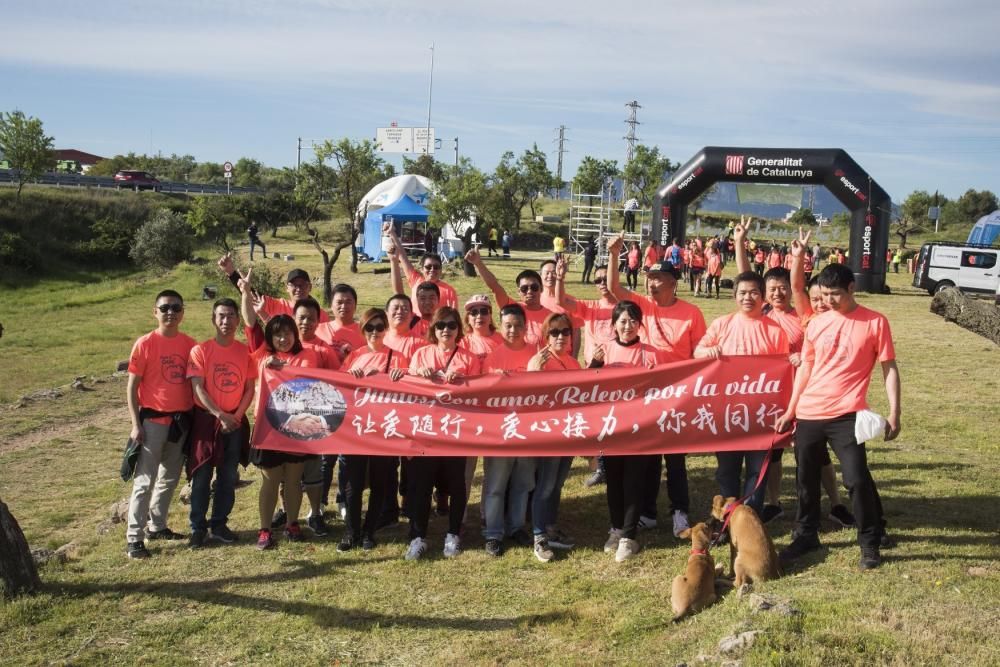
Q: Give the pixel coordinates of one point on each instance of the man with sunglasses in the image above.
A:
(529, 284)
(159, 400)
(297, 284)
(430, 265)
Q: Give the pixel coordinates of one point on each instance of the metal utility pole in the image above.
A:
(298, 155)
(630, 137)
(562, 149)
(456, 151)
(430, 93)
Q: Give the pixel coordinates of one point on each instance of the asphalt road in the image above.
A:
(78, 181)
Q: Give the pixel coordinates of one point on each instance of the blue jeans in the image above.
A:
(728, 476)
(225, 485)
(551, 474)
(497, 472)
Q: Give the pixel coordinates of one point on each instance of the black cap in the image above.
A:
(665, 267)
(297, 273)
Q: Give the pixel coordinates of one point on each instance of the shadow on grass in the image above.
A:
(218, 592)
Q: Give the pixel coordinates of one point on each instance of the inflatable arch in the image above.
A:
(869, 204)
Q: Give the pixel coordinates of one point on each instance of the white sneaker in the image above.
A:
(646, 522)
(626, 549)
(614, 537)
(452, 545)
(542, 550)
(418, 547)
(680, 522)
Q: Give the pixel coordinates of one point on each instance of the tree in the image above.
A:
(25, 147)
(426, 166)
(593, 175)
(536, 178)
(163, 241)
(968, 208)
(646, 172)
(462, 201)
(247, 173)
(214, 218)
(803, 218)
(914, 208)
(507, 192)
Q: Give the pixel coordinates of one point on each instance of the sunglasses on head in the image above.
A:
(450, 324)
(476, 312)
(555, 333)
(170, 307)
(373, 327)
(529, 287)
(432, 267)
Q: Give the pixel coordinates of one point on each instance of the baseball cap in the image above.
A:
(664, 267)
(297, 273)
(477, 300)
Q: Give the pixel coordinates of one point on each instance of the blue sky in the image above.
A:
(910, 89)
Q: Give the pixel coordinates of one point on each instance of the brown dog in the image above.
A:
(752, 554)
(695, 589)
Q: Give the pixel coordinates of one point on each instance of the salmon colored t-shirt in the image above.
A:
(307, 358)
(633, 259)
(773, 260)
(461, 361)
(420, 328)
(552, 304)
(449, 297)
(714, 264)
(791, 324)
(504, 359)
(366, 359)
(741, 335)
(636, 355)
(674, 329)
(597, 326)
(788, 261)
(405, 345)
(843, 349)
(561, 362)
(341, 336)
(481, 346)
(328, 356)
(274, 307)
(162, 362)
(535, 320)
(697, 260)
(650, 257)
(225, 372)
(807, 263)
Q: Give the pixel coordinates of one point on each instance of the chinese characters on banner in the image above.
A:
(693, 406)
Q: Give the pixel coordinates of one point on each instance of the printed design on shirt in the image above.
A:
(604, 329)
(226, 377)
(305, 408)
(173, 368)
(835, 347)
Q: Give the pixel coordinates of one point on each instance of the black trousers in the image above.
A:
(811, 437)
(629, 221)
(626, 489)
(588, 266)
(421, 473)
(677, 484)
(355, 468)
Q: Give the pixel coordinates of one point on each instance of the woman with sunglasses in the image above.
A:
(430, 264)
(374, 358)
(625, 475)
(441, 361)
(529, 285)
(481, 336)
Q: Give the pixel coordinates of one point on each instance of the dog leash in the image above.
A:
(730, 508)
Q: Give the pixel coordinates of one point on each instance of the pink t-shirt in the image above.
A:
(561, 362)
(224, 371)
(791, 324)
(162, 362)
(504, 358)
(405, 345)
(843, 349)
(535, 320)
(366, 359)
(597, 327)
(481, 346)
(344, 337)
(675, 329)
(449, 297)
(714, 264)
(284, 307)
(637, 355)
(737, 334)
(434, 357)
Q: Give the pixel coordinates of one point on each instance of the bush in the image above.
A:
(162, 242)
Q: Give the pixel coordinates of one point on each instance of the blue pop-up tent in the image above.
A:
(404, 209)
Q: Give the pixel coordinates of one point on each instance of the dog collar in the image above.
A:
(699, 552)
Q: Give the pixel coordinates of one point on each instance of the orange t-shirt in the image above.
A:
(481, 346)
(561, 362)
(741, 335)
(535, 320)
(405, 345)
(597, 326)
(504, 358)
(420, 329)
(675, 329)
(225, 372)
(461, 361)
(162, 362)
(714, 264)
(328, 355)
(341, 336)
(773, 260)
(791, 324)
(285, 306)
(842, 349)
(788, 261)
(636, 355)
(552, 304)
(366, 359)
(697, 260)
(449, 297)
(307, 358)
(650, 256)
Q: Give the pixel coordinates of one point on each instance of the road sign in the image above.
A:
(228, 174)
(228, 166)
(404, 140)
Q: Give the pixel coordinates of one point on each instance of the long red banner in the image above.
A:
(688, 407)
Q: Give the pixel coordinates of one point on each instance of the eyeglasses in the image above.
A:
(170, 308)
(600, 281)
(529, 287)
(565, 333)
(432, 267)
(377, 327)
(476, 312)
(450, 325)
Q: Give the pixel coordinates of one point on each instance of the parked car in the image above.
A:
(137, 180)
(969, 267)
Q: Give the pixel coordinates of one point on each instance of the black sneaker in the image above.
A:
(368, 543)
(346, 544)
(223, 534)
(771, 512)
(318, 525)
(165, 534)
(523, 538)
(800, 546)
(870, 558)
(840, 514)
(595, 478)
(279, 519)
(197, 539)
(494, 547)
(137, 550)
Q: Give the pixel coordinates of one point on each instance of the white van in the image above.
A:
(969, 267)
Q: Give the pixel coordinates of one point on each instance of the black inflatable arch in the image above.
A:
(869, 204)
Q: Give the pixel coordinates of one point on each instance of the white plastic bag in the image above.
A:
(868, 425)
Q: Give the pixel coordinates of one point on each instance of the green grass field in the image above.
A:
(935, 601)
